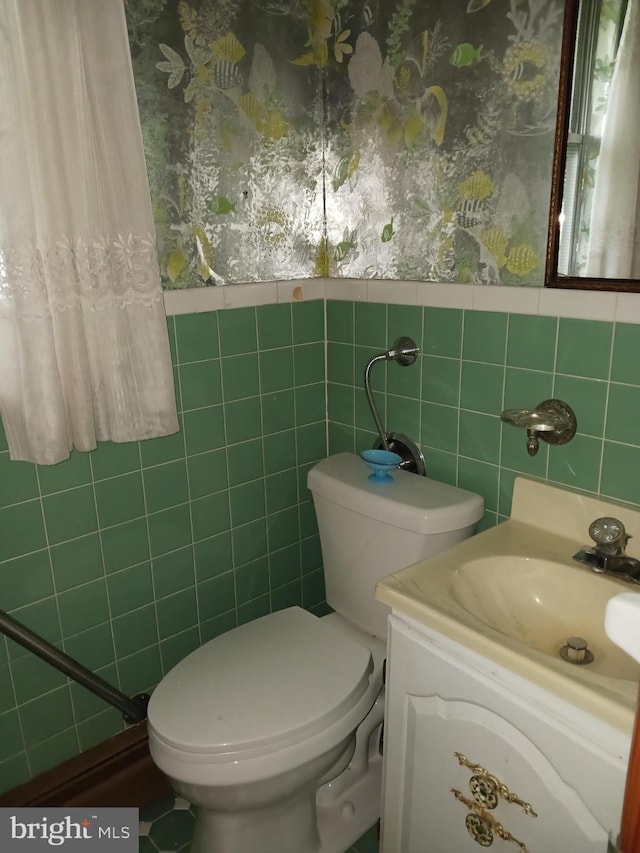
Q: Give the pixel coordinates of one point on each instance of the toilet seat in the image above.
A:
(301, 674)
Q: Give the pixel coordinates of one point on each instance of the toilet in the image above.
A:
(273, 729)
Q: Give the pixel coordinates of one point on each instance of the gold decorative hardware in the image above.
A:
(499, 786)
(482, 826)
(485, 791)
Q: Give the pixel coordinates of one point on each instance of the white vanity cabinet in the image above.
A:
(476, 756)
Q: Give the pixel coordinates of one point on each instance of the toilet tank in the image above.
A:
(369, 530)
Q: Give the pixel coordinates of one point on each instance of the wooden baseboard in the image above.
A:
(118, 772)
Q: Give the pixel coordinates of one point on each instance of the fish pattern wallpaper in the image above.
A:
(395, 139)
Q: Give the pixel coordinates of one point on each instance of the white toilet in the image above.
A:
(273, 729)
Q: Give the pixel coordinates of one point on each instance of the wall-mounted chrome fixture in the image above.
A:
(404, 351)
(552, 420)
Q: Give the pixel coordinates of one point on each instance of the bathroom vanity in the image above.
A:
(491, 737)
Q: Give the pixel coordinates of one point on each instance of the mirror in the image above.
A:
(594, 221)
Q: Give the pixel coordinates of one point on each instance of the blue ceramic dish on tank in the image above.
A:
(381, 462)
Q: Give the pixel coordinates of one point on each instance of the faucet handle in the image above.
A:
(609, 535)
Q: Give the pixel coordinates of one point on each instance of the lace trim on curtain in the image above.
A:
(96, 275)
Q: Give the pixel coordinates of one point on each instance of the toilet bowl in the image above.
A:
(273, 729)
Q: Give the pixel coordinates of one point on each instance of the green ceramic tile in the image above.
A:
(204, 429)
(311, 443)
(623, 413)
(369, 843)
(274, 326)
(524, 389)
(439, 425)
(177, 612)
(14, 771)
(18, 481)
(484, 336)
(83, 606)
(363, 419)
(87, 704)
(252, 580)
(442, 332)
(238, 334)
(111, 459)
(313, 591)
(173, 572)
(247, 502)
(75, 471)
(141, 671)
(405, 381)
(378, 376)
(308, 321)
(577, 463)
(93, 648)
(254, 609)
(165, 485)
(216, 596)
(243, 419)
(130, 589)
(340, 366)
(308, 363)
(626, 345)
(53, 751)
(310, 555)
(340, 403)
(173, 830)
(279, 451)
(21, 529)
(155, 451)
(200, 384)
(249, 541)
(26, 579)
(371, 325)
(125, 544)
(3, 437)
(283, 528)
(46, 716)
(479, 436)
(404, 321)
(308, 520)
(135, 631)
(210, 515)
(620, 466)
(531, 341)
(481, 478)
(587, 398)
(213, 556)
(584, 348)
(10, 735)
(32, 677)
(42, 617)
(340, 321)
(310, 403)
(403, 416)
(197, 336)
(169, 530)
(284, 565)
(211, 628)
(289, 595)
(7, 697)
(176, 648)
(481, 387)
(341, 439)
(441, 380)
(240, 376)
(120, 498)
(245, 462)
(514, 453)
(276, 370)
(77, 561)
(281, 490)
(99, 728)
(171, 333)
(278, 412)
(207, 473)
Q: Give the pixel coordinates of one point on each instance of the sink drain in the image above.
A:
(576, 652)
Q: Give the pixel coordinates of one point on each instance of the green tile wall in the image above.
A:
(473, 365)
(130, 557)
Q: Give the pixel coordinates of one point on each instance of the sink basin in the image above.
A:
(542, 603)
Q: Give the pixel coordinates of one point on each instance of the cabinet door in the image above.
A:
(468, 765)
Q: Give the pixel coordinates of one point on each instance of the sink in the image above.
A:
(542, 603)
(513, 594)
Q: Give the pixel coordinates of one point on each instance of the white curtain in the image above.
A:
(614, 239)
(84, 352)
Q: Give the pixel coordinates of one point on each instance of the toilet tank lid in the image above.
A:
(268, 683)
(411, 502)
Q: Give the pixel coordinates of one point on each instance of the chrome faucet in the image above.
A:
(608, 556)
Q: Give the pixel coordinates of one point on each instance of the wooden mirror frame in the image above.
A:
(551, 278)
